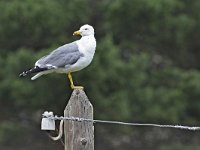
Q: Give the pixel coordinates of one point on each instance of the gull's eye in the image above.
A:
(86, 28)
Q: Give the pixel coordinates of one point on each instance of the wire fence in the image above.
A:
(192, 128)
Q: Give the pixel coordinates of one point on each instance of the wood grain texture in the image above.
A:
(79, 135)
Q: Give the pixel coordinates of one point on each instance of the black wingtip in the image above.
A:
(23, 74)
(36, 69)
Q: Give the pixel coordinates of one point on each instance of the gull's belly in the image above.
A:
(80, 64)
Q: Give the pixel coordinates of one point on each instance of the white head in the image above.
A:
(85, 30)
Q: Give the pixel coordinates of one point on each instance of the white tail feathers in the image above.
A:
(42, 73)
(37, 76)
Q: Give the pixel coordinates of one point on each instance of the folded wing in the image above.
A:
(63, 56)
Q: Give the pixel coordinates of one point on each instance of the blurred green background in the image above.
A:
(146, 69)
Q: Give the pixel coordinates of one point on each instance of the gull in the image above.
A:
(68, 58)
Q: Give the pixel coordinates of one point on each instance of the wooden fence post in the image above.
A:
(79, 135)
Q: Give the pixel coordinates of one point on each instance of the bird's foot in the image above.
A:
(77, 87)
(72, 83)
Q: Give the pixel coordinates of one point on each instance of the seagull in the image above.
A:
(68, 58)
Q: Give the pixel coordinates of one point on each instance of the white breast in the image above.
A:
(87, 46)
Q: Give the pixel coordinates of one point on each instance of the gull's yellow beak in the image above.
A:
(77, 33)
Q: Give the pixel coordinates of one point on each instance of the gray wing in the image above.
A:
(67, 54)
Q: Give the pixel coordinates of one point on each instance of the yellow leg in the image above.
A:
(72, 83)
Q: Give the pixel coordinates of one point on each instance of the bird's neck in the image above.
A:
(88, 43)
(87, 38)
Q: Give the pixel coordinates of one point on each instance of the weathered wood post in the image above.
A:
(79, 135)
